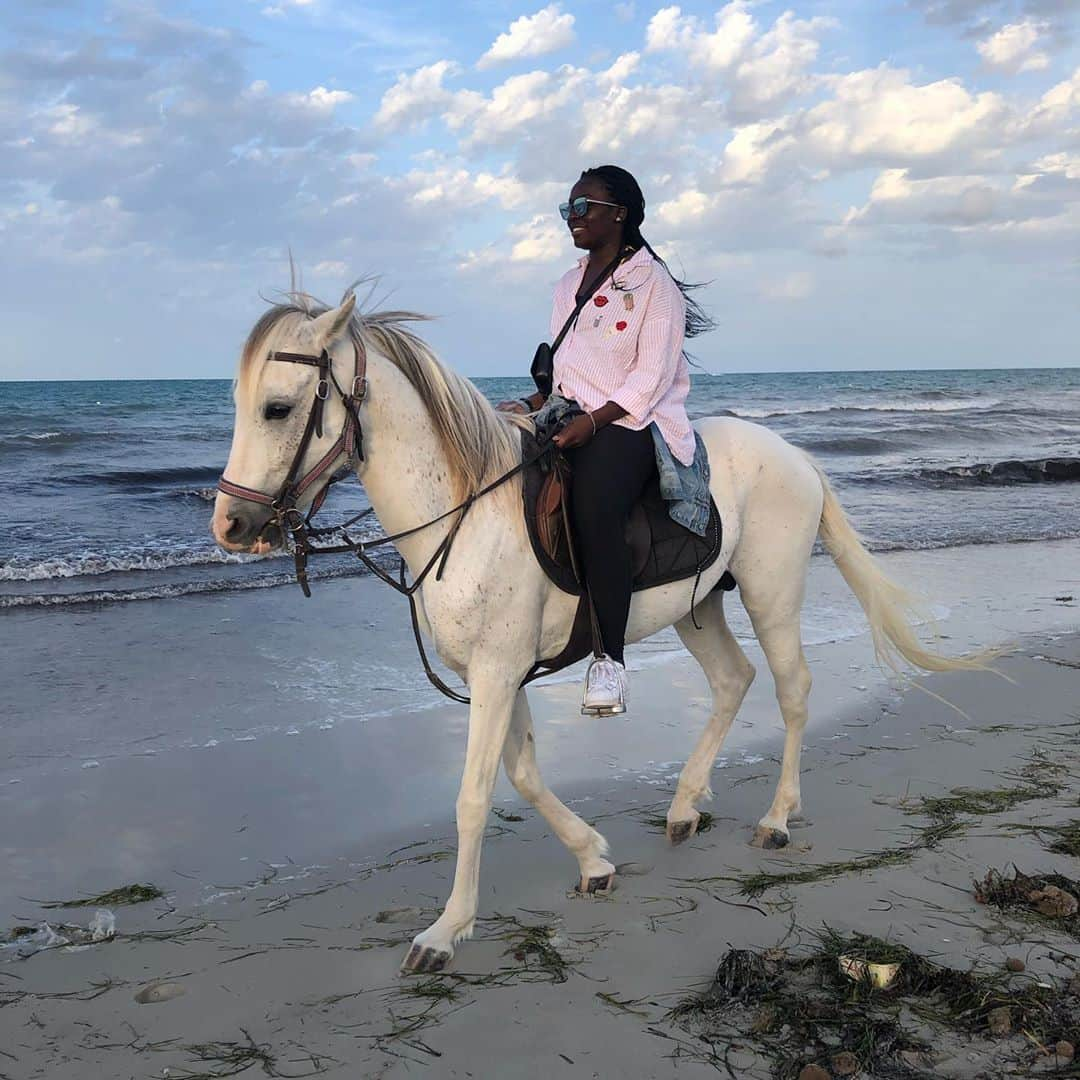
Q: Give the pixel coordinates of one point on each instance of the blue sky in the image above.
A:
(883, 185)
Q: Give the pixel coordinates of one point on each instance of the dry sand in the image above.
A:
(297, 975)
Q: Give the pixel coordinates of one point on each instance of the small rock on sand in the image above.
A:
(1014, 963)
(1065, 1051)
(844, 1064)
(633, 869)
(1054, 902)
(999, 1020)
(156, 993)
(813, 1072)
(1074, 985)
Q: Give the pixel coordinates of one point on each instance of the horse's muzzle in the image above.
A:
(243, 529)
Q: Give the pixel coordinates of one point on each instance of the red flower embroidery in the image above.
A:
(620, 325)
(599, 301)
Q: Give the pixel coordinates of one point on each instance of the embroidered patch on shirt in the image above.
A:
(599, 301)
(620, 325)
(628, 301)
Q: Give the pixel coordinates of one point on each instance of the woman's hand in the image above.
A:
(577, 433)
(511, 406)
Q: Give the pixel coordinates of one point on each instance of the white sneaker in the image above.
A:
(606, 684)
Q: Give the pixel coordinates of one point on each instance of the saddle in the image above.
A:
(661, 549)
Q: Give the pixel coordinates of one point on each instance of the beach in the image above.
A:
(280, 776)
(297, 813)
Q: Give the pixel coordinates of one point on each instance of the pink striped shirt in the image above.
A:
(627, 347)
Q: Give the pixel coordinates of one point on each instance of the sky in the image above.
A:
(862, 185)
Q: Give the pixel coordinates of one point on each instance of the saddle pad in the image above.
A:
(662, 549)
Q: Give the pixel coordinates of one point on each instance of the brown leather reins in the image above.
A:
(297, 527)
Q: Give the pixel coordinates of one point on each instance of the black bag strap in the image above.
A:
(584, 299)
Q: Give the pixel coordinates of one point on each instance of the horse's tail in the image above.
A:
(889, 607)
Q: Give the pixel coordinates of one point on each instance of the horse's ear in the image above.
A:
(331, 325)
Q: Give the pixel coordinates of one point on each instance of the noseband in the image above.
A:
(350, 442)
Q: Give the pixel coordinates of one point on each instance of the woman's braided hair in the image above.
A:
(625, 190)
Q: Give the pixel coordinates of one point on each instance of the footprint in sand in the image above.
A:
(633, 869)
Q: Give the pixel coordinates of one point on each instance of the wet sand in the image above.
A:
(301, 852)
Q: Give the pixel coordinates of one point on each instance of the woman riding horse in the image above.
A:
(622, 364)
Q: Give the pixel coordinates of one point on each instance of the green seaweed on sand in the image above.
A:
(926, 839)
(126, 894)
(658, 822)
(431, 989)
(232, 1057)
(801, 1009)
(946, 813)
(532, 946)
(1064, 839)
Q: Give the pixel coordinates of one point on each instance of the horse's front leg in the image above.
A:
(489, 718)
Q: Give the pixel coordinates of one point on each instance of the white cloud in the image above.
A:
(881, 115)
(416, 96)
(631, 116)
(1012, 49)
(320, 99)
(688, 208)
(514, 104)
(455, 189)
(281, 8)
(759, 70)
(531, 35)
(539, 241)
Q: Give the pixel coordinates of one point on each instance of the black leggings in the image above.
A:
(609, 474)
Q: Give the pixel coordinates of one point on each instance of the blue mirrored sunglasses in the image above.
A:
(579, 207)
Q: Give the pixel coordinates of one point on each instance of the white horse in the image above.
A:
(429, 440)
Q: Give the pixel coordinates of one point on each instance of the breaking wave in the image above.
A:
(1005, 473)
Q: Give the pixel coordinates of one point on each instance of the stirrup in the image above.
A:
(604, 668)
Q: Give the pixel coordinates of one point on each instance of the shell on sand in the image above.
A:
(881, 975)
(156, 993)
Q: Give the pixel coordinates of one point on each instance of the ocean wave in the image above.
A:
(92, 563)
(851, 444)
(173, 590)
(1005, 473)
(150, 478)
(47, 438)
(938, 406)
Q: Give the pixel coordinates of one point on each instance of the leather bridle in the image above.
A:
(290, 520)
(296, 526)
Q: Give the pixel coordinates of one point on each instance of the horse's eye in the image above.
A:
(277, 411)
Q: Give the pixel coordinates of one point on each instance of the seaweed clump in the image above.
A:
(1050, 899)
(799, 1010)
(126, 894)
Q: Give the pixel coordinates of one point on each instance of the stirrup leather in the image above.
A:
(605, 692)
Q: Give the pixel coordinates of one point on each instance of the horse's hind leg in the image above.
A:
(730, 675)
(782, 644)
(584, 842)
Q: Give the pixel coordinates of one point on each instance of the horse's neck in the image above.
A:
(406, 474)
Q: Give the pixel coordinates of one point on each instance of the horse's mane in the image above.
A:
(480, 443)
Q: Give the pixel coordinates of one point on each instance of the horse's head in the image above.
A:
(294, 394)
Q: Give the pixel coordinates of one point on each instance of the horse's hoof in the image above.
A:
(769, 839)
(601, 885)
(425, 959)
(678, 832)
